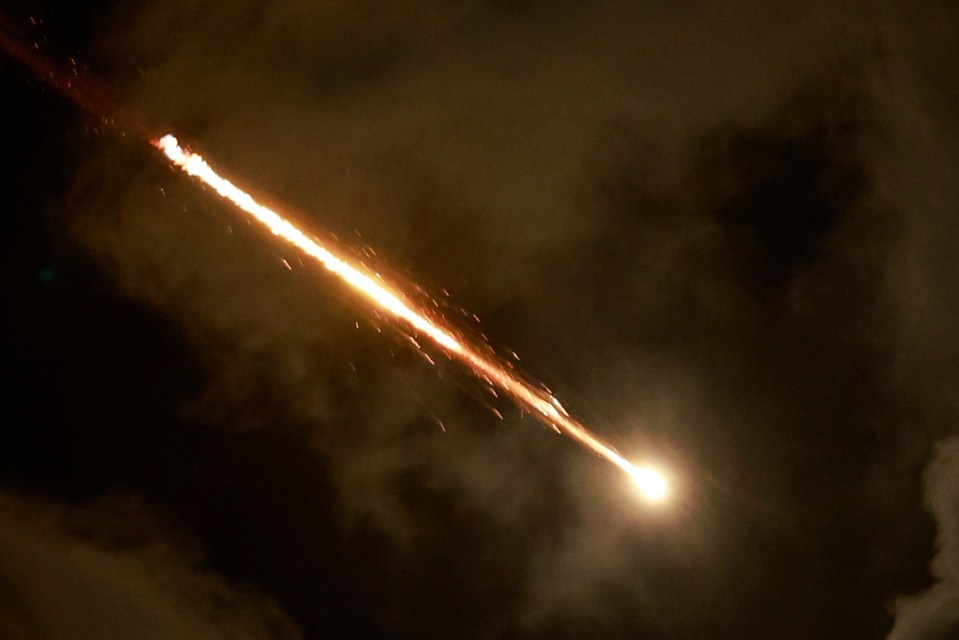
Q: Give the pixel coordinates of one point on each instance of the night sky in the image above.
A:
(725, 235)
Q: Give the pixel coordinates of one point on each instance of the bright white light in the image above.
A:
(651, 483)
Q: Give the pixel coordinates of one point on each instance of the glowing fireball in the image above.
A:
(652, 484)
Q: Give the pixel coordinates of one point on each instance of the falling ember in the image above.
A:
(542, 405)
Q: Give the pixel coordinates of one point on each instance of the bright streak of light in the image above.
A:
(539, 403)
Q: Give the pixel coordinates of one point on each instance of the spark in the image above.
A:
(388, 299)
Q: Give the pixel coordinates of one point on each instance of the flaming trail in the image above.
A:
(74, 81)
(542, 405)
(89, 94)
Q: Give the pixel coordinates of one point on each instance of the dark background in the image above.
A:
(723, 235)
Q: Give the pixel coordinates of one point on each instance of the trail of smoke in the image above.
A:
(540, 404)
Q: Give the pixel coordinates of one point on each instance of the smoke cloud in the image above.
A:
(103, 571)
(934, 613)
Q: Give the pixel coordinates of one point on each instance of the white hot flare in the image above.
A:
(539, 403)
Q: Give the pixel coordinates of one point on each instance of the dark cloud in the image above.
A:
(103, 572)
(724, 234)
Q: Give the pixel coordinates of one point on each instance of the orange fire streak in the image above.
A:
(536, 401)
